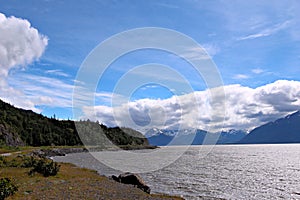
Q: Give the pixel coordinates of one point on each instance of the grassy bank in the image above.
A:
(71, 182)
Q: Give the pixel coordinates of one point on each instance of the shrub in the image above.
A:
(2, 161)
(46, 167)
(19, 161)
(7, 188)
(15, 162)
(28, 161)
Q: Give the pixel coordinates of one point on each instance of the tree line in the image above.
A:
(37, 130)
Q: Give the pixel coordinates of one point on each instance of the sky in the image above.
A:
(255, 46)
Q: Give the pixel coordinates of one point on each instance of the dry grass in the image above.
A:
(72, 183)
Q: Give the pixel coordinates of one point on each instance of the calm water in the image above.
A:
(228, 172)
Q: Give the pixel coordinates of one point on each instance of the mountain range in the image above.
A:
(161, 137)
(283, 130)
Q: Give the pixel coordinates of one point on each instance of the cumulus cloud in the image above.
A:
(20, 45)
(246, 108)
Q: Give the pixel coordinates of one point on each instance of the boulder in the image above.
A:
(133, 179)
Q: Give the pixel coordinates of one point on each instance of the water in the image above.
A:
(227, 172)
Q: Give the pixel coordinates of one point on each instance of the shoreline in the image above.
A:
(62, 151)
(71, 182)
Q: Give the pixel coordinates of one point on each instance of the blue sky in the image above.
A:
(253, 44)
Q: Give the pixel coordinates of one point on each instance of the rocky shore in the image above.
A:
(125, 178)
(51, 152)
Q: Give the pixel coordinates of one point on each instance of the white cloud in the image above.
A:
(149, 87)
(246, 108)
(240, 76)
(44, 100)
(15, 97)
(211, 49)
(43, 90)
(257, 71)
(267, 31)
(206, 51)
(20, 45)
(51, 92)
(198, 53)
(57, 72)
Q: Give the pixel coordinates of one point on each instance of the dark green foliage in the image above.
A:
(19, 161)
(95, 134)
(28, 161)
(125, 136)
(37, 130)
(13, 163)
(46, 167)
(41, 165)
(7, 188)
(2, 161)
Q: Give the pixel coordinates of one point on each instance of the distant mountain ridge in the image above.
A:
(163, 137)
(283, 130)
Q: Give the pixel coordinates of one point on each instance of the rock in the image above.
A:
(57, 152)
(10, 138)
(37, 153)
(53, 152)
(115, 178)
(133, 179)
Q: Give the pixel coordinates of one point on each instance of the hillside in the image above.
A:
(20, 127)
(284, 130)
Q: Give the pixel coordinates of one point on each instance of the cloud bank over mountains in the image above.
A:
(20, 45)
(246, 108)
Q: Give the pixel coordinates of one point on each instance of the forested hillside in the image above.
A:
(24, 127)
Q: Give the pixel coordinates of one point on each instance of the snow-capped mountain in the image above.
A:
(162, 137)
